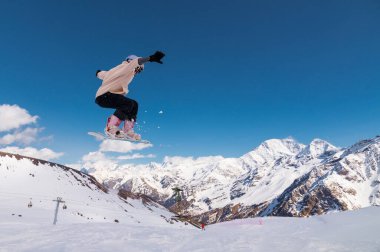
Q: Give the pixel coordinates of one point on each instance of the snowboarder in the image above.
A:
(111, 94)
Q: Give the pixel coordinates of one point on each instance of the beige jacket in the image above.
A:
(117, 79)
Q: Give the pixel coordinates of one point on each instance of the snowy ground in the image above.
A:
(347, 231)
(88, 222)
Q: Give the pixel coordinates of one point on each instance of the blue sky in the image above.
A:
(236, 72)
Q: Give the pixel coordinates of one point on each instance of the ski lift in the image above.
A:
(30, 203)
(64, 206)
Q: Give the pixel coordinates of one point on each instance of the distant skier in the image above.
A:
(111, 94)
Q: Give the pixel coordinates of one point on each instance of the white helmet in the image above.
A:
(131, 57)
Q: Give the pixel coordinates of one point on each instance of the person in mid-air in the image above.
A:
(111, 94)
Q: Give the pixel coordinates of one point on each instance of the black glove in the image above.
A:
(156, 57)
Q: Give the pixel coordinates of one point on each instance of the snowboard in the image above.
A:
(102, 136)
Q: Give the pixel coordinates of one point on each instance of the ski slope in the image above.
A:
(26, 180)
(345, 231)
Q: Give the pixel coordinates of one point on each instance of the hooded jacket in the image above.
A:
(117, 79)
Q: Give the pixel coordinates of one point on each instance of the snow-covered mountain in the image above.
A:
(279, 177)
(30, 188)
(338, 180)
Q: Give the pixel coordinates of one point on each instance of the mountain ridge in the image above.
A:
(280, 177)
(264, 181)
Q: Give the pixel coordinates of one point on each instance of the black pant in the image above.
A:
(125, 108)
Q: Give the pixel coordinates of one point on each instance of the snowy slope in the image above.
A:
(26, 180)
(352, 231)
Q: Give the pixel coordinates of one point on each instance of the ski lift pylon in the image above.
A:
(30, 203)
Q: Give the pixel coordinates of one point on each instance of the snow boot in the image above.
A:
(112, 128)
(128, 130)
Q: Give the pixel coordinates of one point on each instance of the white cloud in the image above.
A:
(191, 161)
(135, 156)
(74, 166)
(122, 146)
(99, 162)
(13, 117)
(26, 136)
(45, 154)
(46, 138)
(94, 156)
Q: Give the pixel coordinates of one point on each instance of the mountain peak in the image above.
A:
(282, 146)
(272, 149)
(318, 147)
(362, 145)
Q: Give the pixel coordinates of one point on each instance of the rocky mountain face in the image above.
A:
(341, 180)
(281, 177)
